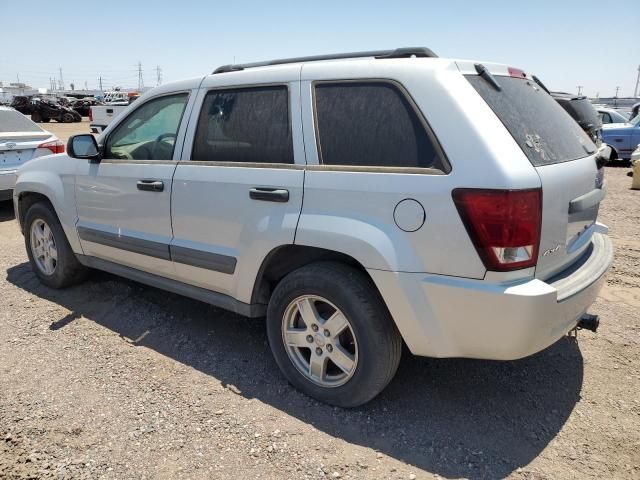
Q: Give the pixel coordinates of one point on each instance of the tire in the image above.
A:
(65, 269)
(68, 118)
(370, 340)
(36, 117)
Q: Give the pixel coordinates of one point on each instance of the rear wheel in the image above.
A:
(50, 254)
(68, 117)
(36, 117)
(332, 335)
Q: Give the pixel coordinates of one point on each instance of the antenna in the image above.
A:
(580, 90)
(158, 75)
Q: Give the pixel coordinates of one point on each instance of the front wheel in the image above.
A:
(331, 334)
(50, 254)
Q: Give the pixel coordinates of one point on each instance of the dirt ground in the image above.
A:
(112, 379)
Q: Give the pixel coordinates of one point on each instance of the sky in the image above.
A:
(565, 43)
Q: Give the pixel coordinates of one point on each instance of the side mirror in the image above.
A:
(84, 146)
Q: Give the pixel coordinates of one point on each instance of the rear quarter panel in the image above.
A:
(352, 212)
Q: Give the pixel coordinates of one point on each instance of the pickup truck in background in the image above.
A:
(101, 115)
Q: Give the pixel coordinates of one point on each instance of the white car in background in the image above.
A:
(611, 115)
(21, 140)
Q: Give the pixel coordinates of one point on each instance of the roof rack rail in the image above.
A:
(405, 52)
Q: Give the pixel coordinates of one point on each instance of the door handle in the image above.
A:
(269, 194)
(150, 185)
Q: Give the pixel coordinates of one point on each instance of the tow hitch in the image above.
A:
(589, 322)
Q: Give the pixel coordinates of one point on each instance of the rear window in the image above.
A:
(12, 121)
(544, 131)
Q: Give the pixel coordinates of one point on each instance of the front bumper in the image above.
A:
(7, 182)
(440, 316)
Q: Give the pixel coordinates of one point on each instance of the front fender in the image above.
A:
(52, 176)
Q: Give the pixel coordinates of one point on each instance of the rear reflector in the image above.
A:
(504, 225)
(56, 146)
(516, 72)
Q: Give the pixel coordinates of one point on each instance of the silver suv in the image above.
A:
(358, 201)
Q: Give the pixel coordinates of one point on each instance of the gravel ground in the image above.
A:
(111, 379)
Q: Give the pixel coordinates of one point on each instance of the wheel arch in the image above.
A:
(37, 185)
(284, 259)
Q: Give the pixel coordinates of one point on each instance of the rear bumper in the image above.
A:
(441, 316)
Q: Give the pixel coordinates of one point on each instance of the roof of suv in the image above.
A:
(404, 52)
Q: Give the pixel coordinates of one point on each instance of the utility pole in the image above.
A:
(615, 101)
(61, 80)
(18, 77)
(140, 79)
(636, 91)
(158, 75)
(85, 85)
(100, 82)
(580, 89)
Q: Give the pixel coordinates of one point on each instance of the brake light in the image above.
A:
(504, 225)
(516, 72)
(56, 146)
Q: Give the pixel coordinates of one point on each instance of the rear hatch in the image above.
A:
(19, 139)
(562, 154)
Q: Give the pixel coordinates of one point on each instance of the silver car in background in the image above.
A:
(21, 140)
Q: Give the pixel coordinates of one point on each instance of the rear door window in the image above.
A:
(544, 131)
(248, 125)
(372, 124)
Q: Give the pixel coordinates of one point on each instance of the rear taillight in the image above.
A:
(504, 225)
(56, 146)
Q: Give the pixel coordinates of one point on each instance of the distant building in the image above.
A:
(9, 91)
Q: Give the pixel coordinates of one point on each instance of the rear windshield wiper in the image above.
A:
(540, 84)
(484, 73)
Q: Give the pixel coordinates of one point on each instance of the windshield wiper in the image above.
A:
(484, 73)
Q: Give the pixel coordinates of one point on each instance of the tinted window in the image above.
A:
(544, 131)
(371, 124)
(245, 125)
(149, 132)
(12, 121)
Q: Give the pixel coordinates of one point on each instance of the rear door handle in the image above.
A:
(269, 194)
(150, 185)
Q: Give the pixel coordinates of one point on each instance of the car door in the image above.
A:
(239, 195)
(123, 202)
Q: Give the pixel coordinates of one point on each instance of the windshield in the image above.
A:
(617, 117)
(543, 129)
(12, 121)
